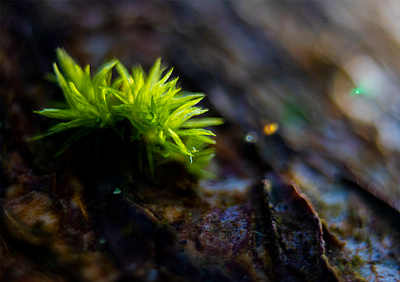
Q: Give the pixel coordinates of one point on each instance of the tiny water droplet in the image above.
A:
(251, 137)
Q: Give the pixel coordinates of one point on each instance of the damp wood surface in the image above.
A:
(307, 171)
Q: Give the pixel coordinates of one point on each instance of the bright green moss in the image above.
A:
(159, 113)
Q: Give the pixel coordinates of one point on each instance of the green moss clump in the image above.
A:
(160, 115)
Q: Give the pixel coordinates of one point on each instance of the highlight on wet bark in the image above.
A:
(160, 114)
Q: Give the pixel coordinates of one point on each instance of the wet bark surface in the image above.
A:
(307, 166)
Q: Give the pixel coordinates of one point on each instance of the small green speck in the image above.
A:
(117, 191)
(359, 91)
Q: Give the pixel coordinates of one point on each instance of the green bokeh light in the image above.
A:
(359, 91)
